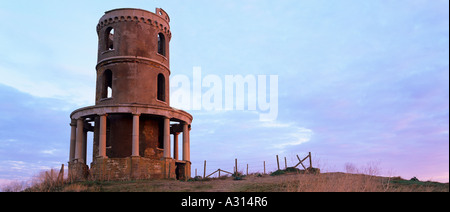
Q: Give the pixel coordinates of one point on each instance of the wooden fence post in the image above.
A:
(310, 161)
(247, 168)
(236, 170)
(204, 170)
(264, 167)
(301, 162)
(60, 178)
(278, 163)
(285, 163)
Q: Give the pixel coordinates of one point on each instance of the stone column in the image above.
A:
(175, 145)
(73, 135)
(186, 148)
(135, 134)
(84, 147)
(166, 137)
(79, 141)
(102, 141)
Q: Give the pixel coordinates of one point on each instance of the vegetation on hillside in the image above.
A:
(288, 180)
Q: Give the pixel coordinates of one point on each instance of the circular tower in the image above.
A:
(132, 120)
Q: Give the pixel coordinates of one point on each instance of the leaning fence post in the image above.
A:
(61, 174)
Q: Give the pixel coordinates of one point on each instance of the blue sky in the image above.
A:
(359, 81)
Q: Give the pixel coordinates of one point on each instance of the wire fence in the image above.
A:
(215, 169)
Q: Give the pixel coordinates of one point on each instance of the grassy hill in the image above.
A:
(284, 182)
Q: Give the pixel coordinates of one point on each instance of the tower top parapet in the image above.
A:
(160, 19)
(134, 33)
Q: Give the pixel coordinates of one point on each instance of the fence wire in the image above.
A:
(248, 165)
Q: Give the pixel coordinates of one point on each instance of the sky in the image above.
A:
(359, 82)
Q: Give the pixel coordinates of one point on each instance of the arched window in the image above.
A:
(107, 84)
(161, 87)
(109, 38)
(161, 44)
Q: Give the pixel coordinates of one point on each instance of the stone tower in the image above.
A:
(132, 120)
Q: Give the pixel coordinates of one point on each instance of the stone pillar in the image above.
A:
(84, 147)
(186, 148)
(135, 134)
(102, 141)
(175, 145)
(79, 141)
(73, 131)
(166, 137)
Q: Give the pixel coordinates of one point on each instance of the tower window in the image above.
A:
(109, 38)
(161, 44)
(161, 88)
(107, 84)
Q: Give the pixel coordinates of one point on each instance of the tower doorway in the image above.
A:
(180, 170)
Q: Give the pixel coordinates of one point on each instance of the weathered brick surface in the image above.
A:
(78, 171)
(132, 168)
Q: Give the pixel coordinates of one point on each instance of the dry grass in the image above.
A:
(45, 181)
(14, 186)
(339, 182)
(77, 188)
(291, 182)
(355, 180)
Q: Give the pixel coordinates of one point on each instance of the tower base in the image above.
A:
(78, 171)
(133, 168)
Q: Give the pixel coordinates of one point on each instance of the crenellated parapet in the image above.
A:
(159, 20)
